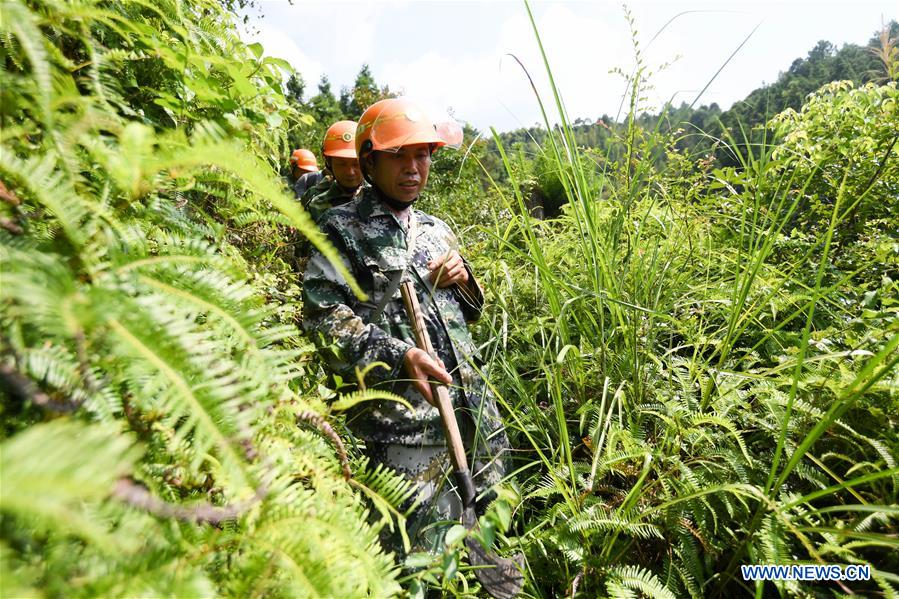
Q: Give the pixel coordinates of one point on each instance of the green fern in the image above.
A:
(133, 297)
(45, 466)
(623, 580)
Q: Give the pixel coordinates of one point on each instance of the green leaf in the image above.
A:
(503, 513)
(418, 560)
(450, 565)
(55, 473)
(278, 62)
(417, 590)
(274, 119)
(455, 535)
(486, 532)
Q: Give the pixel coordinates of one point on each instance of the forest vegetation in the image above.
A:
(692, 327)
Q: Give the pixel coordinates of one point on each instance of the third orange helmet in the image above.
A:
(304, 160)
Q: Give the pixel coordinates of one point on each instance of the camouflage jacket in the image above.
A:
(320, 186)
(307, 181)
(372, 243)
(326, 194)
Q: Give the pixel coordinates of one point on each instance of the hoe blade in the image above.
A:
(501, 576)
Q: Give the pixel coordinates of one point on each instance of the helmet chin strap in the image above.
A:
(394, 204)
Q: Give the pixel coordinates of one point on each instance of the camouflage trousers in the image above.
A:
(429, 468)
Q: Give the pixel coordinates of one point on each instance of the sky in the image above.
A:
(453, 58)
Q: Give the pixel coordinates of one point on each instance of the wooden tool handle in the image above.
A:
(444, 403)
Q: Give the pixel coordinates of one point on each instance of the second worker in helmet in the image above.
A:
(339, 150)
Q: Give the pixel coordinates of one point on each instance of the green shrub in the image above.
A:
(687, 389)
(159, 411)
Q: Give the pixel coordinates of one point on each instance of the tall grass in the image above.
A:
(660, 363)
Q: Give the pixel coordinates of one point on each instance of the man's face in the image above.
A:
(297, 173)
(347, 172)
(401, 175)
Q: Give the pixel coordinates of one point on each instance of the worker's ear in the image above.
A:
(367, 164)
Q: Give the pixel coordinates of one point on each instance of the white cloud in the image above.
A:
(440, 84)
(490, 88)
(335, 37)
(352, 37)
(446, 54)
(580, 50)
(279, 44)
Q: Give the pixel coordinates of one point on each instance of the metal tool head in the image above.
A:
(501, 576)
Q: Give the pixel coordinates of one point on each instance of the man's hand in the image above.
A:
(448, 270)
(420, 367)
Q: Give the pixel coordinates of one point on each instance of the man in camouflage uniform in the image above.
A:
(382, 240)
(323, 185)
(343, 180)
(342, 166)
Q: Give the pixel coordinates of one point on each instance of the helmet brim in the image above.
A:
(396, 143)
(342, 153)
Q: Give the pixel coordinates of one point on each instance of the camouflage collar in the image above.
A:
(370, 206)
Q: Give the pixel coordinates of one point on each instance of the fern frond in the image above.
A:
(213, 295)
(364, 571)
(38, 178)
(59, 368)
(348, 400)
(570, 544)
(252, 218)
(688, 566)
(623, 579)
(48, 481)
(727, 425)
(392, 488)
(771, 537)
(234, 159)
(18, 21)
(389, 492)
(188, 394)
(41, 288)
(592, 520)
(890, 588)
(17, 579)
(169, 249)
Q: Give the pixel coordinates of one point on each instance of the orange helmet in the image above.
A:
(393, 123)
(340, 140)
(304, 160)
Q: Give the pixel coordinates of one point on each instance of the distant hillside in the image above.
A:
(824, 63)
